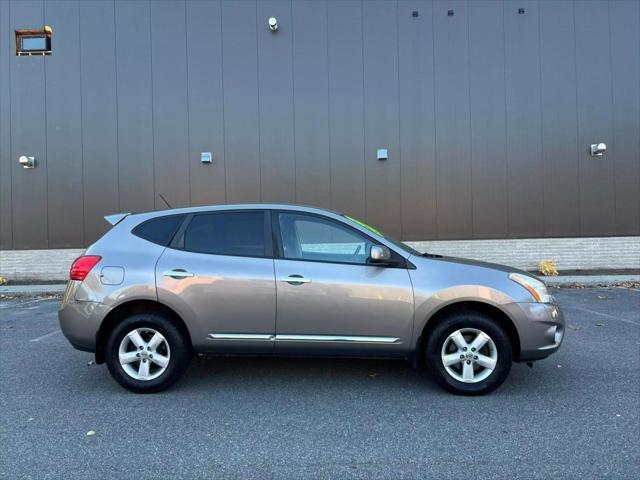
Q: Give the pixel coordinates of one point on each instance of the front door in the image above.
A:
(218, 276)
(329, 299)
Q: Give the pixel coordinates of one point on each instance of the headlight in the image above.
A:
(534, 286)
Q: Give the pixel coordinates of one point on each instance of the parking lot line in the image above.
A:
(51, 334)
(606, 315)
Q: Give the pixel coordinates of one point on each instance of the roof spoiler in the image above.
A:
(116, 218)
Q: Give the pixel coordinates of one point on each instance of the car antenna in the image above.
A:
(164, 200)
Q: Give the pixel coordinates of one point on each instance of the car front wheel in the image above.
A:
(469, 353)
(147, 353)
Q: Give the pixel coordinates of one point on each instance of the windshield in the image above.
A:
(389, 239)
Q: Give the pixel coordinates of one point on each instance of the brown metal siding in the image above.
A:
(487, 115)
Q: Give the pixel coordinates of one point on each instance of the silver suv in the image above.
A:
(290, 280)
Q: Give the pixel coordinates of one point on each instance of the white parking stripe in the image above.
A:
(18, 303)
(606, 315)
(45, 336)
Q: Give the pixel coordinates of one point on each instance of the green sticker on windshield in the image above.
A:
(362, 224)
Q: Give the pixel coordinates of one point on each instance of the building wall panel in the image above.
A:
(63, 109)
(311, 103)
(417, 120)
(488, 119)
(453, 135)
(559, 119)
(595, 117)
(624, 25)
(6, 51)
(346, 107)
(135, 107)
(381, 115)
(487, 114)
(28, 135)
(240, 72)
(524, 137)
(99, 116)
(170, 118)
(275, 73)
(206, 102)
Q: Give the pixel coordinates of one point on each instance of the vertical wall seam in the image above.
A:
(224, 125)
(364, 114)
(153, 127)
(186, 60)
(46, 139)
(329, 109)
(9, 59)
(115, 65)
(435, 124)
(259, 106)
(399, 115)
(81, 122)
(506, 126)
(293, 98)
(613, 123)
(544, 214)
(575, 71)
(470, 123)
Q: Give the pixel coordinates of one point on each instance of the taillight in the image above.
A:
(82, 266)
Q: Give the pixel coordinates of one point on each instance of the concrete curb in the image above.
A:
(552, 281)
(590, 279)
(32, 289)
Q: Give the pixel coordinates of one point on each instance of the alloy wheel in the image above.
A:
(469, 355)
(144, 354)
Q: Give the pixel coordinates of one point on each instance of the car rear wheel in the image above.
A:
(469, 353)
(147, 353)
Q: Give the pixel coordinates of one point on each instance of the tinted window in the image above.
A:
(238, 233)
(306, 237)
(159, 230)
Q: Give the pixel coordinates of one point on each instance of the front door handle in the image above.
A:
(295, 279)
(178, 273)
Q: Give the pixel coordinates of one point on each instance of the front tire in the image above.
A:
(469, 353)
(147, 353)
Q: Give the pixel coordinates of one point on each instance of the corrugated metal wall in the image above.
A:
(487, 114)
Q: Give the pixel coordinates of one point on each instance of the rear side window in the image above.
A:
(159, 230)
(235, 233)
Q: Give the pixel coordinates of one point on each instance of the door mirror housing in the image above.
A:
(379, 254)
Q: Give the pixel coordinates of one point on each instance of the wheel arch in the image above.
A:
(488, 309)
(125, 309)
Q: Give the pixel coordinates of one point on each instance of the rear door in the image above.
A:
(218, 275)
(330, 299)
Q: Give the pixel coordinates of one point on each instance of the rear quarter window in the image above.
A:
(159, 230)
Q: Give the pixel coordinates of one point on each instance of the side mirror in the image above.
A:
(379, 254)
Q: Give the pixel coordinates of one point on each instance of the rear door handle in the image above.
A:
(295, 279)
(178, 273)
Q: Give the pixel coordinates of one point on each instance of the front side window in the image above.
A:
(234, 233)
(307, 237)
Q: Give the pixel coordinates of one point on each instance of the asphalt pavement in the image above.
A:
(574, 415)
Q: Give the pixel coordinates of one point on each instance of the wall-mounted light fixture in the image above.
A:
(598, 149)
(27, 162)
(34, 42)
(273, 24)
(206, 157)
(382, 154)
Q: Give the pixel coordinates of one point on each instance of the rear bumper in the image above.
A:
(79, 321)
(540, 327)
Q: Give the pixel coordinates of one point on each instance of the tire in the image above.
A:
(444, 345)
(172, 352)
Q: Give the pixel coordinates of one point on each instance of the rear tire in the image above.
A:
(468, 353)
(147, 353)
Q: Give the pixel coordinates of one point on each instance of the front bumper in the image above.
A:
(79, 321)
(540, 327)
